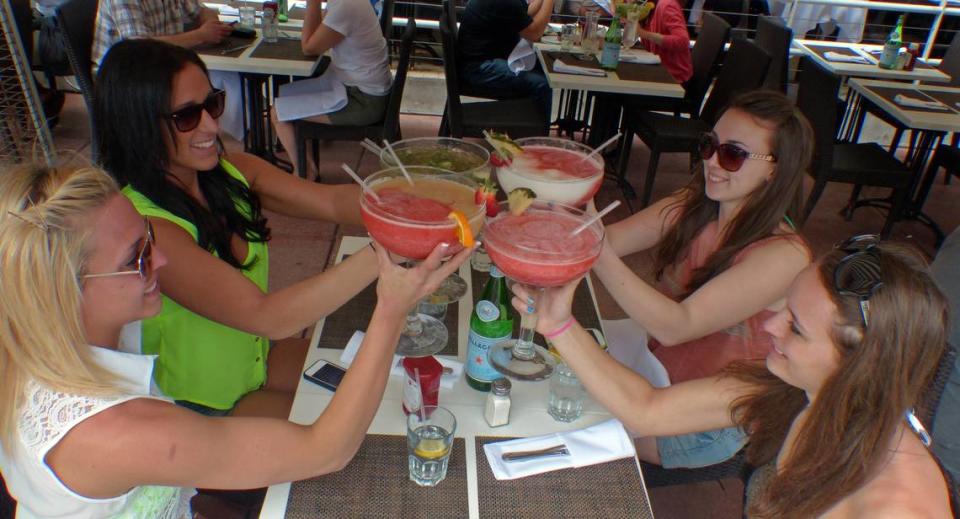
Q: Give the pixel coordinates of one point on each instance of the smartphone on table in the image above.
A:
(325, 374)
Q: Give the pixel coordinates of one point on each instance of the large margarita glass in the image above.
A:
(555, 169)
(410, 221)
(456, 155)
(538, 248)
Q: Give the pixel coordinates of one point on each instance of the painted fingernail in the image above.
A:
(530, 300)
(530, 309)
(445, 245)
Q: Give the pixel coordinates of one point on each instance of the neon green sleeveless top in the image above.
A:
(200, 360)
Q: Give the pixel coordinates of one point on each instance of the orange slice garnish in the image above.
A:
(463, 230)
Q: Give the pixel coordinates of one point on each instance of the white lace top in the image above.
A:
(48, 415)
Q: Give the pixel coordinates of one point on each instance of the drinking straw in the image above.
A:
(596, 217)
(600, 148)
(403, 169)
(416, 376)
(359, 180)
(371, 146)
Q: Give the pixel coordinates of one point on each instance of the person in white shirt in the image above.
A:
(82, 435)
(350, 30)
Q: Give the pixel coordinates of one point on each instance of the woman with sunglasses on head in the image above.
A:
(157, 117)
(725, 251)
(831, 431)
(82, 434)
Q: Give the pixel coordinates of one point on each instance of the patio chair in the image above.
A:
(77, 19)
(775, 37)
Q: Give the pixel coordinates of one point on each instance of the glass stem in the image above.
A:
(414, 324)
(523, 348)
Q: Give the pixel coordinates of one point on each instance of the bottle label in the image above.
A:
(478, 365)
(611, 55)
(487, 311)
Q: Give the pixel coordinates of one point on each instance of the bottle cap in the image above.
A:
(500, 387)
(495, 272)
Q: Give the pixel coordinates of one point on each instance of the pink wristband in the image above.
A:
(564, 327)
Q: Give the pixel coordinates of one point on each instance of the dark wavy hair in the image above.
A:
(764, 208)
(131, 109)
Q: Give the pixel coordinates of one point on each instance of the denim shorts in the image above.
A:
(700, 449)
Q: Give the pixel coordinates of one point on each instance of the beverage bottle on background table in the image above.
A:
(282, 10)
(914, 54)
(271, 27)
(490, 323)
(891, 48)
(421, 382)
(610, 57)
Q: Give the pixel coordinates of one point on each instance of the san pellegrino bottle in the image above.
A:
(491, 322)
(610, 57)
(891, 48)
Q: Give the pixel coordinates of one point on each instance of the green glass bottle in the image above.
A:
(891, 48)
(610, 57)
(491, 322)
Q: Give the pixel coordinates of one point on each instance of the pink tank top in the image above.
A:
(709, 354)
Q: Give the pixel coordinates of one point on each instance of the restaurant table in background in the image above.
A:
(870, 54)
(376, 480)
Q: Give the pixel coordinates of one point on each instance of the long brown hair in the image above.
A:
(763, 210)
(883, 370)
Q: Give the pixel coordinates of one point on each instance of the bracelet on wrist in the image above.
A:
(563, 327)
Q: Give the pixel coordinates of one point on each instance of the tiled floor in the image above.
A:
(301, 248)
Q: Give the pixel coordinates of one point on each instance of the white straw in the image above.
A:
(403, 169)
(371, 146)
(359, 180)
(601, 214)
(600, 148)
(416, 375)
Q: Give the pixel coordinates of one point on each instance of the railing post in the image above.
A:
(935, 29)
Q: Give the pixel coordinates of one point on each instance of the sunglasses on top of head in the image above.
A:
(730, 156)
(188, 118)
(858, 274)
(143, 261)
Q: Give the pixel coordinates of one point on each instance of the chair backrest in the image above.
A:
(77, 19)
(454, 109)
(950, 64)
(744, 69)
(391, 119)
(816, 99)
(450, 10)
(775, 37)
(386, 18)
(706, 56)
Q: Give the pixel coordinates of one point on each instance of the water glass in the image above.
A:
(429, 442)
(565, 402)
(590, 41)
(568, 34)
(248, 16)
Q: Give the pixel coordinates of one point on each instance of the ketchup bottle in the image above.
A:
(421, 382)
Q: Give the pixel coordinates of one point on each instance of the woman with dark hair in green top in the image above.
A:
(213, 335)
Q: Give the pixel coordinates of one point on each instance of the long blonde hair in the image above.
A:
(43, 250)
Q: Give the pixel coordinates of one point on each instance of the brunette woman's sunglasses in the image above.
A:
(142, 263)
(188, 118)
(858, 274)
(730, 156)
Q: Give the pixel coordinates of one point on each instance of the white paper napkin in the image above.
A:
(600, 443)
(845, 58)
(641, 56)
(560, 66)
(913, 102)
(522, 58)
(447, 380)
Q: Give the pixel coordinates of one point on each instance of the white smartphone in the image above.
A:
(325, 374)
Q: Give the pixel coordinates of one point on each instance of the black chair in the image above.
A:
(517, 117)
(744, 69)
(848, 162)
(775, 37)
(8, 506)
(946, 157)
(386, 19)
(388, 128)
(77, 19)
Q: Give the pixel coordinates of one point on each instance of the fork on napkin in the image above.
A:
(912, 102)
(845, 58)
(561, 66)
(599, 443)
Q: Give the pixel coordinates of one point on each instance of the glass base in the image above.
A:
(430, 341)
(540, 367)
(451, 289)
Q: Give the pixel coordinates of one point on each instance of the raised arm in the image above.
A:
(643, 230)
(676, 36)
(534, 31)
(316, 37)
(148, 442)
(130, 22)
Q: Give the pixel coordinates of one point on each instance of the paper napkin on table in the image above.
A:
(600, 443)
(641, 56)
(447, 380)
(913, 102)
(845, 58)
(522, 58)
(560, 66)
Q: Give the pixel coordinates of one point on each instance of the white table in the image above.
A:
(611, 83)
(817, 49)
(528, 414)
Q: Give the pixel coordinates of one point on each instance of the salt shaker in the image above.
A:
(497, 411)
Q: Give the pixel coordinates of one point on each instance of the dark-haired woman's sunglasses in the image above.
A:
(188, 118)
(858, 274)
(729, 156)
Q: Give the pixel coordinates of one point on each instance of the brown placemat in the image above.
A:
(648, 73)
(355, 315)
(570, 58)
(230, 42)
(583, 308)
(284, 48)
(376, 484)
(889, 93)
(609, 490)
(951, 99)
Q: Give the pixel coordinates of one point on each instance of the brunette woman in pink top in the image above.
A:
(725, 253)
(664, 33)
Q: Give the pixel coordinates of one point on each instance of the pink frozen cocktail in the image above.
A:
(410, 220)
(555, 169)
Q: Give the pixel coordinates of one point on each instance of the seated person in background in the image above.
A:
(489, 31)
(726, 251)
(946, 428)
(664, 33)
(350, 30)
(81, 435)
(157, 116)
(827, 414)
